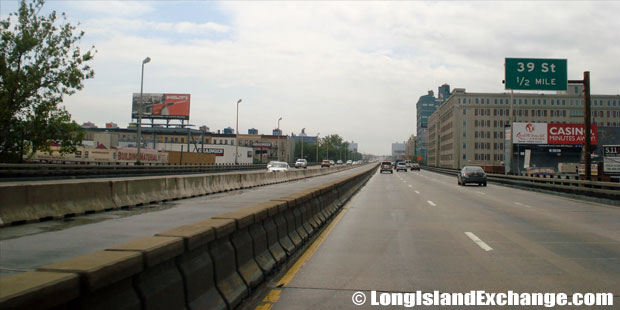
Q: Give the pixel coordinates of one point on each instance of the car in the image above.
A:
(325, 163)
(339, 162)
(401, 166)
(331, 162)
(415, 166)
(408, 162)
(387, 166)
(301, 163)
(278, 166)
(472, 174)
(349, 162)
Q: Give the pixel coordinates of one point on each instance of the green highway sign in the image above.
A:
(536, 74)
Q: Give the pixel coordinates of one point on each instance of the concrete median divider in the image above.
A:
(25, 202)
(47, 200)
(244, 250)
(197, 267)
(210, 264)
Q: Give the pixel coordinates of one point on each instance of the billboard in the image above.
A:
(530, 133)
(611, 159)
(552, 133)
(161, 106)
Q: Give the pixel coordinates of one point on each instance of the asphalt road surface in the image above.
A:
(26, 247)
(411, 231)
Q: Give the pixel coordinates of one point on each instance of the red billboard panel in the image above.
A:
(161, 106)
(569, 134)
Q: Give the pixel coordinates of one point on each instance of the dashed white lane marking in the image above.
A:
(481, 193)
(479, 242)
(522, 205)
(431, 203)
(417, 192)
(410, 185)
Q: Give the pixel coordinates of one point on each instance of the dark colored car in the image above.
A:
(472, 174)
(387, 166)
(415, 166)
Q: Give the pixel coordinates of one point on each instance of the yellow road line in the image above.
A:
(264, 307)
(288, 277)
(273, 296)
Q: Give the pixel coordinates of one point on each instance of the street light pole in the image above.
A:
(237, 135)
(278, 140)
(302, 141)
(146, 60)
(317, 147)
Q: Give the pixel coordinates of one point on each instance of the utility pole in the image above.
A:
(587, 147)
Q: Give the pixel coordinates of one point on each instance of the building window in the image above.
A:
(464, 111)
(464, 145)
(464, 156)
(464, 123)
(464, 134)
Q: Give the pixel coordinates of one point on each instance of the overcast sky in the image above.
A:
(352, 68)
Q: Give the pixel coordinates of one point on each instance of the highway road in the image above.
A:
(411, 231)
(26, 247)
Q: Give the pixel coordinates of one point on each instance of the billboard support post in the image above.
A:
(511, 125)
(587, 148)
(146, 60)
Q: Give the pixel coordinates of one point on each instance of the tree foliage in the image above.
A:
(330, 147)
(40, 63)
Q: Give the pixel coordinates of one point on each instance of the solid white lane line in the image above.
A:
(417, 192)
(479, 242)
(431, 203)
(522, 205)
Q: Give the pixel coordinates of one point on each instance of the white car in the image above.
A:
(301, 163)
(277, 166)
(349, 162)
(339, 162)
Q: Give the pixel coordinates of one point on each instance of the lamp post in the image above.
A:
(302, 142)
(146, 60)
(237, 135)
(278, 140)
(317, 147)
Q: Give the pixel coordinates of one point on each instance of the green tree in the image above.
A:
(40, 62)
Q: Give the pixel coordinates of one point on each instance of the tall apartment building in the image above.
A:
(425, 107)
(469, 128)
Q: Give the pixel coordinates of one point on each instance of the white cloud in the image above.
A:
(353, 68)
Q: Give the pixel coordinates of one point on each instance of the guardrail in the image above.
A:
(12, 172)
(598, 189)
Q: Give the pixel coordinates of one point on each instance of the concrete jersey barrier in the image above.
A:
(37, 201)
